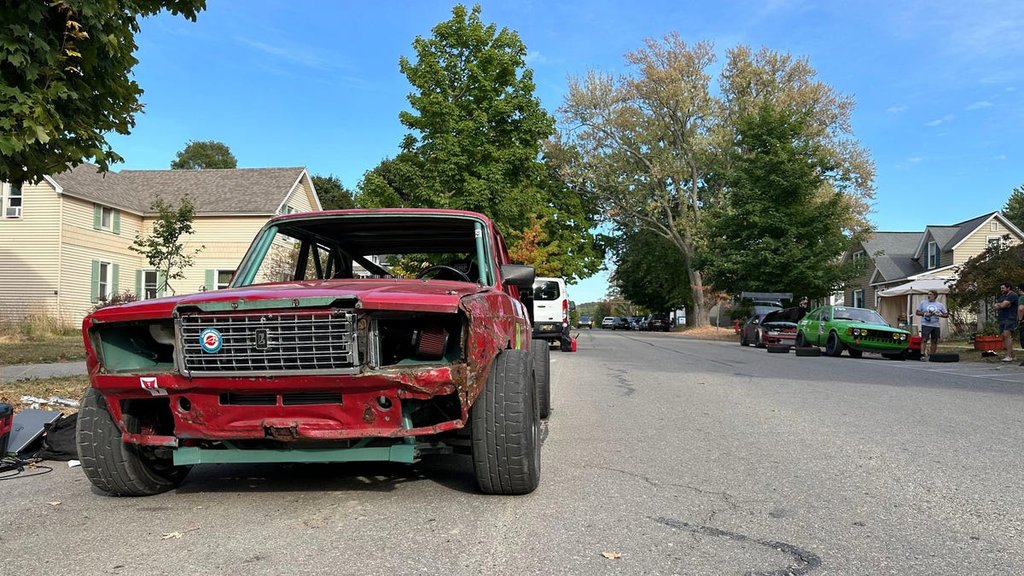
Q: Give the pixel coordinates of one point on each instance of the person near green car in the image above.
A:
(1006, 307)
(930, 312)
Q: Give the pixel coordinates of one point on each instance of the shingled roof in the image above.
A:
(258, 191)
(893, 254)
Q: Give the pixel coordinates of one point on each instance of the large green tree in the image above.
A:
(65, 80)
(333, 194)
(650, 272)
(204, 154)
(651, 146)
(1014, 208)
(778, 227)
(476, 135)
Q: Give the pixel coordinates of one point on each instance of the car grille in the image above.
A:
(878, 337)
(246, 343)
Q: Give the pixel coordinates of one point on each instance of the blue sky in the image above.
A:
(939, 86)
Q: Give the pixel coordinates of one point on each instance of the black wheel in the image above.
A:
(810, 351)
(855, 353)
(833, 347)
(505, 424)
(778, 348)
(800, 340)
(542, 372)
(113, 466)
(944, 357)
(743, 339)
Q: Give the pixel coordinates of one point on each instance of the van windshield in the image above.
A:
(546, 290)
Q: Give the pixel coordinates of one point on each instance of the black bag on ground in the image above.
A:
(59, 439)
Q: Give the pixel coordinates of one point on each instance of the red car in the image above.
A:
(769, 327)
(345, 336)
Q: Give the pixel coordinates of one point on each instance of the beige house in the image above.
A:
(894, 258)
(64, 241)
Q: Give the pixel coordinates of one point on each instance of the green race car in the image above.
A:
(857, 330)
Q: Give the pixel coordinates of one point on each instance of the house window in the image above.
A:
(933, 255)
(218, 279)
(150, 285)
(11, 196)
(993, 226)
(857, 255)
(994, 241)
(106, 218)
(858, 298)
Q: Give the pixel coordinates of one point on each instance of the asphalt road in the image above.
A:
(672, 456)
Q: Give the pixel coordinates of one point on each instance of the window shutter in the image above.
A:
(94, 285)
(117, 221)
(113, 281)
(138, 284)
(211, 279)
(96, 216)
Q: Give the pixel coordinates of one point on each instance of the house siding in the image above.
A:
(82, 244)
(30, 255)
(300, 199)
(861, 281)
(222, 242)
(977, 242)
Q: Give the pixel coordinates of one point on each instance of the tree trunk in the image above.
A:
(700, 311)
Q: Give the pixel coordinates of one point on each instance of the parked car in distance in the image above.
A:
(608, 323)
(776, 327)
(856, 330)
(658, 323)
(585, 322)
(550, 310)
(621, 323)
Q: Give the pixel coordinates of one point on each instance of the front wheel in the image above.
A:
(801, 342)
(118, 468)
(504, 427)
(833, 347)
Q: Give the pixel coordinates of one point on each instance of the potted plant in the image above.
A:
(988, 338)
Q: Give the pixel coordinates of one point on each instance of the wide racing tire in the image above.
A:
(743, 339)
(945, 357)
(808, 351)
(505, 427)
(542, 372)
(833, 347)
(855, 353)
(801, 341)
(113, 466)
(778, 348)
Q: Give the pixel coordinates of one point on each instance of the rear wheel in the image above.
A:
(833, 347)
(505, 424)
(118, 468)
(743, 339)
(800, 340)
(542, 372)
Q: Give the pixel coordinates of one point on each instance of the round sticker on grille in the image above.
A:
(210, 340)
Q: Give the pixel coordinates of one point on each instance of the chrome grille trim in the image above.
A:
(321, 341)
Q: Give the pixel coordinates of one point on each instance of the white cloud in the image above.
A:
(940, 121)
(979, 105)
(1000, 157)
(914, 159)
(896, 109)
(535, 57)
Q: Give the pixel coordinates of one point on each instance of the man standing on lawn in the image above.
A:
(1006, 314)
(930, 311)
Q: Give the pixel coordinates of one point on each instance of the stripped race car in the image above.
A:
(856, 330)
(345, 336)
(778, 327)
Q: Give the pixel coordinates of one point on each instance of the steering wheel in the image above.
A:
(442, 268)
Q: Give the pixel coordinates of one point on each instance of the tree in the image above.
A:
(65, 81)
(650, 272)
(778, 227)
(1014, 208)
(651, 148)
(333, 194)
(477, 131)
(979, 278)
(205, 154)
(163, 247)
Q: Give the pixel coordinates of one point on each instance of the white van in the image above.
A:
(550, 309)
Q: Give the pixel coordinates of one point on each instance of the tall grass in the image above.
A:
(37, 328)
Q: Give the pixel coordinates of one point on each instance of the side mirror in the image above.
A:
(518, 275)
